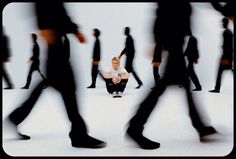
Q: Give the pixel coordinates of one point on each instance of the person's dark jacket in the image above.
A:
(53, 16)
(192, 50)
(227, 45)
(96, 50)
(5, 48)
(129, 47)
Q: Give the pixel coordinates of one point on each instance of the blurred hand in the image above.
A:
(49, 36)
(81, 37)
(95, 62)
(225, 62)
(156, 64)
(29, 61)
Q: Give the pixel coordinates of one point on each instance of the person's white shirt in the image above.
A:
(121, 72)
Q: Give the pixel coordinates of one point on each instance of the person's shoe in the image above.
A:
(141, 84)
(114, 94)
(197, 89)
(214, 91)
(11, 130)
(209, 130)
(91, 86)
(9, 87)
(119, 94)
(142, 141)
(25, 87)
(88, 142)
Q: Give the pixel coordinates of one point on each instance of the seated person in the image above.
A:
(116, 79)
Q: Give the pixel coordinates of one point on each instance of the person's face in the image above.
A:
(115, 64)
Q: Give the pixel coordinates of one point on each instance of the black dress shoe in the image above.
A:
(25, 87)
(197, 89)
(142, 141)
(214, 91)
(22, 136)
(87, 142)
(139, 86)
(91, 86)
(10, 87)
(209, 130)
(13, 127)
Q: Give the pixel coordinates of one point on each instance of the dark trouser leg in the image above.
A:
(29, 77)
(94, 74)
(193, 76)
(136, 77)
(6, 77)
(218, 80)
(19, 114)
(156, 75)
(147, 106)
(41, 74)
(78, 126)
(110, 85)
(194, 114)
(122, 85)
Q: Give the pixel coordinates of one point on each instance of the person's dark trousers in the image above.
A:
(111, 87)
(129, 68)
(193, 76)
(19, 114)
(60, 77)
(6, 77)
(146, 107)
(219, 75)
(156, 75)
(94, 74)
(34, 67)
(122, 85)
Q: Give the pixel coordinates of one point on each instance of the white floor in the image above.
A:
(106, 119)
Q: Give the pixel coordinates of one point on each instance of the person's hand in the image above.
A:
(225, 62)
(95, 62)
(81, 37)
(49, 36)
(156, 64)
(29, 61)
(117, 80)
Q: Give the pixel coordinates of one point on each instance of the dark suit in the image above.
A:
(192, 55)
(227, 48)
(59, 72)
(96, 57)
(129, 51)
(5, 57)
(171, 26)
(35, 64)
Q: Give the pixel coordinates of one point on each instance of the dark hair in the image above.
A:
(96, 32)
(127, 30)
(34, 36)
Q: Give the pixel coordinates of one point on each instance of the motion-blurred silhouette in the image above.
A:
(6, 54)
(171, 26)
(53, 25)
